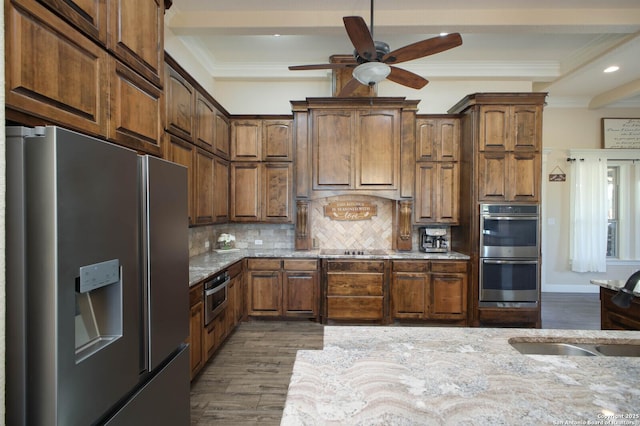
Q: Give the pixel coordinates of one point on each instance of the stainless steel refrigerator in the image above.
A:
(97, 283)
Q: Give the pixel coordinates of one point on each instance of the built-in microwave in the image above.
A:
(509, 230)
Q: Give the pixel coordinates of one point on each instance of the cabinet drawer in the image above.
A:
(264, 264)
(360, 308)
(354, 284)
(356, 266)
(452, 267)
(300, 265)
(410, 266)
(235, 269)
(195, 294)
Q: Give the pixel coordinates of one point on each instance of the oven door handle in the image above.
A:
(216, 289)
(510, 262)
(510, 217)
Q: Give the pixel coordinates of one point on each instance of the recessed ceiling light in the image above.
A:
(276, 35)
(443, 34)
(612, 68)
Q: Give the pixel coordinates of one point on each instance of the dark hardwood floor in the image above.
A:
(246, 382)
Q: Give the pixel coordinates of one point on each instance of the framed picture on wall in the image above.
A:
(621, 133)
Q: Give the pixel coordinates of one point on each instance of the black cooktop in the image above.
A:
(353, 252)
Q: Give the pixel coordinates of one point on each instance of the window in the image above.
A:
(613, 188)
(623, 209)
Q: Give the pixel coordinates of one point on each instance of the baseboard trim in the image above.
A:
(570, 288)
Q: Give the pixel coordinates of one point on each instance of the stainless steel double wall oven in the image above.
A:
(509, 255)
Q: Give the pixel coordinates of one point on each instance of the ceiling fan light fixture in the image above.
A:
(371, 73)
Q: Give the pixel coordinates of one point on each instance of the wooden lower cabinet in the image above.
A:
(355, 290)
(285, 288)
(613, 317)
(196, 323)
(429, 290)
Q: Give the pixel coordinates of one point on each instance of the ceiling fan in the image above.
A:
(375, 61)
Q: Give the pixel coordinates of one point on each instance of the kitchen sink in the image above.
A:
(576, 349)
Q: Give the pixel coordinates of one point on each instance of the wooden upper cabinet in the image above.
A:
(510, 127)
(136, 36)
(437, 139)
(246, 140)
(221, 145)
(204, 176)
(205, 123)
(183, 153)
(277, 140)
(245, 186)
(277, 192)
(262, 140)
(333, 140)
(89, 16)
(378, 149)
(356, 149)
(437, 192)
(136, 110)
(74, 95)
(180, 104)
(220, 190)
(505, 176)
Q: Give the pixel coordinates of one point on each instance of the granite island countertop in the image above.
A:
(207, 264)
(453, 376)
(616, 285)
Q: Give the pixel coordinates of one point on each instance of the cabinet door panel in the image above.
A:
(90, 16)
(222, 136)
(448, 192)
(494, 127)
(354, 308)
(425, 192)
(426, 131)
(196, 344)
(180, 96)
(408, 295)
(220, 190)
(137, 36)
(449, 137)
(246, 140)
(183, 153)
(448, 298)
(349, 284)
(524, 176)
(80, 103)
(277, 140)
(300, 293)
(333, 133)
(136, 108)
(527, 123)
(277, 192)
(493, 171)
(245, 190)
(264, 293)
(204, 181)
(205, 123)
(378, 136)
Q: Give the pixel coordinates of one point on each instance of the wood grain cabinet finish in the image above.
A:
(509, 176)
(196, 324)
(91, 91)
(282, 288)
(261, 140)
(356, 149)
(204, 178)
(510, 127)
(74, 95)
(136, 110)
(220, 190)
(179, 105)
(221, 145)
(355, 290)
(424, 290)
(613, 317)
(437, 192)
(261, 192)
(437, 139)
(182, 152)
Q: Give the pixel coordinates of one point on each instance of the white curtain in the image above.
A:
(589, 215)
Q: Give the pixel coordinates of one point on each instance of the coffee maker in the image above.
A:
(434, 239)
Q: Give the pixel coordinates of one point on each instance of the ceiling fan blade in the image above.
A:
(348, 88)
(321, 66)
(407, 78)
(360, 37)
(423, 48)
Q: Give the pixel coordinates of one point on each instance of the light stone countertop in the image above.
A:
(204, 265)
(453, 376)
(616, 285)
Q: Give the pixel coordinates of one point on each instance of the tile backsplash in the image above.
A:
(374, 233)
